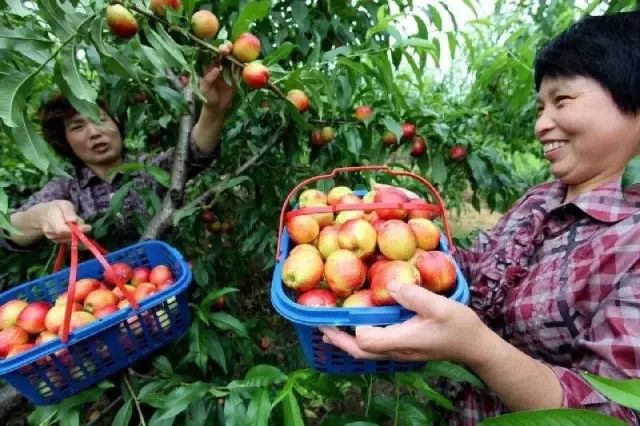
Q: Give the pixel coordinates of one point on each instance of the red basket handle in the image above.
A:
(97, 251)
(382, 168)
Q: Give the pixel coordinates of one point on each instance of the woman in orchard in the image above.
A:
(95, 149)
(555, 285)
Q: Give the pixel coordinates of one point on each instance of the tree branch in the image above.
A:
(174, 196)
(202, 198)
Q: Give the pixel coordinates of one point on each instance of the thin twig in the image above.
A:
(135, 399)
(330, 122)
(105, 411)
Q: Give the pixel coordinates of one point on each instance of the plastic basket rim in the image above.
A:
(8, 365)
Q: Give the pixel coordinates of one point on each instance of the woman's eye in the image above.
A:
(559, 100)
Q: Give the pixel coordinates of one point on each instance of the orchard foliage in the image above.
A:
(239, 363)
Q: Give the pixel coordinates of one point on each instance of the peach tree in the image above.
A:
(336, 83)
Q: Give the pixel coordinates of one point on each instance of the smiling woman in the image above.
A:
(554, 285)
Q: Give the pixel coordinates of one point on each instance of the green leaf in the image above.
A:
(216, 352)
(299, 12)
(69, 418)
(30, 143)
(253, 11)
(4, 201)
(75, 80)
(631, 174)
(259, 408)
(5, 224)
(265, 375)
(292, 415)
(17, 8)
(332, 54)
(232, 183)
(282, 52)
(435, 17)
(123, 416)
(172, 47)
(557, 417)
(172, 58)
(24, 42)
(225, 321)
(451, 371)
(413, 380)
(182, 213)
(13, 87)
(393, 126)
(624, 392)
(438, 169)
(354, 142)
(160, 175)
(89, 109)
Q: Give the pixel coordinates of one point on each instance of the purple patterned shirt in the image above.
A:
(559, 281)
(91, 195)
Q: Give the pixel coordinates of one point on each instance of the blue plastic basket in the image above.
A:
(53, 371)
(306, 320)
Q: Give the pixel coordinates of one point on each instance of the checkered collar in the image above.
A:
(606, 203)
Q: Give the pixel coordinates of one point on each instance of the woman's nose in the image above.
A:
(544, 123)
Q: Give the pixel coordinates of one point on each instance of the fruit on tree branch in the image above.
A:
(363, 112)
(204, 24)
(299, 99)
(255, 75)
(246, 48)
(121, 21)
(158, 6)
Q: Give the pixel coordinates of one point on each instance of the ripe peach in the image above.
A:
(11, 337)
(389, 138)
(31, 319)
(363, 113)
(359, 236)
(458, 152)
(204, 24)
(344, 272)
(328, 240)
(144, 290)
(140, 275)
(317, 298)
(246, 48)
(55, 317)
(120, 294)
(375, 267)
(304, 247)
(426, 232)
(303, 229)
(395, 271)
(119, 271)
(105, 311)
(350, 199)
(388, 196)
(160, 274)
(396, 240)
(316, 138)
(255, 75)
(415, 214)
(98, 299)
(10, 311)
(44, 337)
(408, 130)
(328, 134)
(418, 147)
(437, 271)
(18, 349)
(79, 319)
(121, 21)
(300, 100)
(323, 219)
(312, 196)
(302, 271)
(347, 215)
(158, 6)
(336, 193)
(359, 299)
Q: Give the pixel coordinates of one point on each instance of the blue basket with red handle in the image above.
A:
(306, 320)
(54, 370)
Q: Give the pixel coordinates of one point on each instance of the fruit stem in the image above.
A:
(196, 40)
(369, 395)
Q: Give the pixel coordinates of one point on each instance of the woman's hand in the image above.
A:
(441, 330)
(54, 217)
(217, 92)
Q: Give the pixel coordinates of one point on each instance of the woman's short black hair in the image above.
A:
(605, 48)
(54, 111)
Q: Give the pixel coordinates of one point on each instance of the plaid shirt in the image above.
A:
(91, 195)
(559, 281)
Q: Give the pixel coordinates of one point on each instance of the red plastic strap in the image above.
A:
(57, 265)
(71, 290)
(97, 251)
(364, 206)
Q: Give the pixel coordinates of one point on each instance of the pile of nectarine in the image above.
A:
(24, 325)
(347, 259)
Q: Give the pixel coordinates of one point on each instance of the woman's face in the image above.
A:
(95, 144)
(587, 139)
